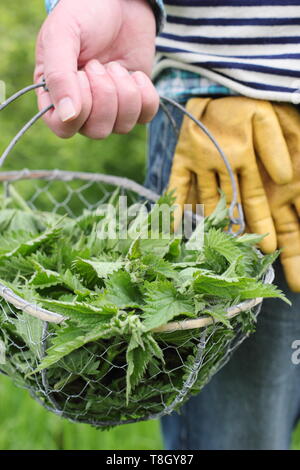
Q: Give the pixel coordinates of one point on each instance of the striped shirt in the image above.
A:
(249, 46)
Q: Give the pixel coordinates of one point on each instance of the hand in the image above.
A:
(96, 57)
(246, 130)
(285, 200)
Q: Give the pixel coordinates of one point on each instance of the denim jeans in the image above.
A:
(254, 401)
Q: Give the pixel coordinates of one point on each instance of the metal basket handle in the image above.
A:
(234, 205)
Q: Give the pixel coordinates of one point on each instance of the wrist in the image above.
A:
(159, 13)
(156, 5)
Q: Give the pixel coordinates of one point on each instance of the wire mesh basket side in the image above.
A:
(89, 384)
(191, 356)
(191, 359)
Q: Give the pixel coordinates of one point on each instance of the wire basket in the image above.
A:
(194, 350)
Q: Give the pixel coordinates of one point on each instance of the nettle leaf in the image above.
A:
(226, 288)
(32, 244)
(6, 216)
(175, 250)
(14, 220)
(163, 303)
(231, 271)
(74, 284)
(68, 341)
(76, 309)
(138, 355)
(91, 270)
(186, 277)
(265, 262)
(222, 243)
(10, 268)
(45, 278)
(155, 265)
(220, 216)
(156, 246)
(250, 239)
(80, 362)
(9, 241)
(31, 330)
(86, 221)
(219, 314)
(196, 240)
(71, 338)
(121, 291)
(28, 221)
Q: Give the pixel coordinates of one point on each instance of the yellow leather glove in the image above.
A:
(246, 129)
(285, 200)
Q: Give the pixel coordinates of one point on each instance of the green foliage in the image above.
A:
(163, 303)
(113, 296)
(25, 425)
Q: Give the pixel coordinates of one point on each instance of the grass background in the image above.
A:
(23, 423)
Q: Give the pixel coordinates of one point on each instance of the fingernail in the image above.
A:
(95, 67)
(117, 69)
(66, 109)
(140, 79)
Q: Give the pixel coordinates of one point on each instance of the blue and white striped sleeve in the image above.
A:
(50, 4)
(157, 5)
(160, 13)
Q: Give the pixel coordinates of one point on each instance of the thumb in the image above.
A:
(61, 48)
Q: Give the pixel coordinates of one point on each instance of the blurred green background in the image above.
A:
(23, 423)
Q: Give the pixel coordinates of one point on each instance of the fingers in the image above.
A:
(180, 184)
(52, 119)
(120, 100)
(227, 188)
(208, 193)
(197, 106)
(256, 208)
(297, 205)
(192, 197)
(61, 48)
(105, 102)
(129, 98)
(150, 97)
(289, 119)
(68, 89)
(288, 233)
(270, 144)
